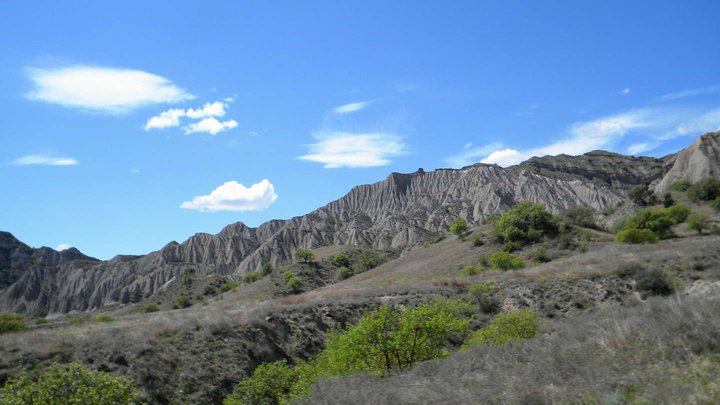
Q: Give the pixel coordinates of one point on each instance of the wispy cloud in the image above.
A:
(641, 147)
(102, 89)
(335, 149)
(689, 93)
(625, 91)
(206, 115)
(233, 196)
(45, 160)
(472, 155)
(351, 107)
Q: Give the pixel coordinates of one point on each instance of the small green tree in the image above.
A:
(251, 277)
(505, 328)
(183, 301)
(267, 268)
(698, 221)
(11, 323)
(229, 286)
(70, 384)
(367, 260)
(341, 260)
(294, 285)
(304, 255)
(525, 223)
(705, 190)
(271, 383)
(458, 227)
(678, 212)
(636, 236)
(506, 261)
(344, 273)
(657, 220)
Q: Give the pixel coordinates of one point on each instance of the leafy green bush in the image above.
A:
(525, 223)
(678, 212)
(103, 318)
(539, 255)
(294, 285)
(251, 277)
(341, 260)
(716, 204)
(150, 307)
(183, 301)
(271, 383)
(228, 286)
(344, 273)
(368, 259)
(482, 294)
(505, 328)
(705, 190)
(636, 236)
(511, 247)
(458, 226)
(71, 384)
(657, 220)
(698, 221)
(41, 321)
(304, 255)
(680, 185)
(472, 270)
(580, 216)
(506, 261)
(11, 323)
(267, 268)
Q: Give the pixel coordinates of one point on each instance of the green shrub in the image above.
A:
(103, 318)
(251, 277)
(678, 212)
(344, 273)
(668, 200)
(458, 227)
(341, 260)
(698, 221)
(77, 321)
(506, 261)
(228, 286)
(183, 301)
(580, 216)
(657, 220)
(511, 247)
(267, 268)
(505, 328)
(150, 307)
(367, 260)
(539, 255)
(210, 289)
(641, 195)
(294, 285)
(653, 282)
(715, 204)
(705, 190)
(41, 321)
(636, 236)
(304, 255)
(70, 384)
(11, 323)
(680, 185)
(482, 294)
(472, 269)
(271, 383)
(525, 223)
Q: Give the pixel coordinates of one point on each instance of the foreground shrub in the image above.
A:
(341, 260)
(636, 236)
(182, 301)
(294, 285)
(11, 323)
(680, 185)
(150, 307)
(698, 221)
(482, 294)
(71, 384)
(458, 227)
(472, 270)
(251, 277)
(705, 190)
(525, 223)
(271, 383)
(505, 328)
(267, 268)
(304, 255)
(228, 286)
(657, 220)
(506, 261)
(678, 212)
(344, 273)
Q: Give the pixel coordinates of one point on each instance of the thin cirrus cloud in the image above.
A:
(351, 107)
(206, 115)
(336, 149)
(689, 93)
(44, 160)
(652, 125)
(102, 89)
(233, 196)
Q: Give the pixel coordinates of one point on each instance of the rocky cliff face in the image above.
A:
(399, 212)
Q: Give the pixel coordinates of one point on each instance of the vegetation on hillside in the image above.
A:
(526, 223)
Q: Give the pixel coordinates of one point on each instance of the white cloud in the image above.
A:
(344, 149)
(693, 124)
(233, 196)
(208, 112)
(470, 156)
(102, 89)
(45, 160)
(638, 148)
(352, 107)
(625, 91)
(62, 246)
(504, 157)
(689, 93)
(467, 145)
(210, 125)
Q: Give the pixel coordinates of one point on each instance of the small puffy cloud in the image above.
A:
(233, 196)
(205, 114)
(210, 125)
(625, 91)
(351, 107)
(344, 149)
(504, 157)
(45, 160)
(637, 148)
(102, 89)
(62, 246)
(472, 155)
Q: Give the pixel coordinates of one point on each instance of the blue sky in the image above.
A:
(131, 124)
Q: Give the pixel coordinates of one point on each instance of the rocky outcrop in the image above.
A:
(399, 212)
(697, 162)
